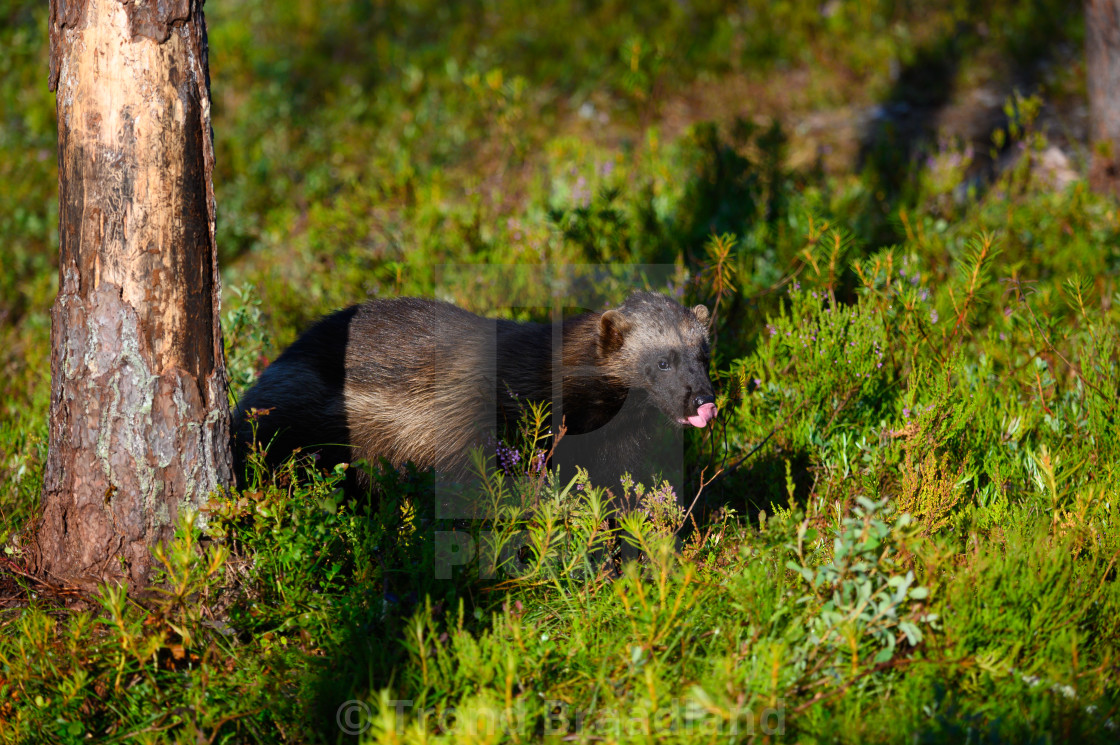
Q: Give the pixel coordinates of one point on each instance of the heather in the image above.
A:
(903, 526)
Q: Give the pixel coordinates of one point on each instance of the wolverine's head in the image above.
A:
(654, 344)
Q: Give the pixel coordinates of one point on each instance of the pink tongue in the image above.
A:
(705, 414)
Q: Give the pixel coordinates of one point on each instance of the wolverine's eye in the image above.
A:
(663, 364)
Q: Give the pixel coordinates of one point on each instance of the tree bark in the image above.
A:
(1102, 62)
(139, 417)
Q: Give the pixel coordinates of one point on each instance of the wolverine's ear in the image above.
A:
(613, 328)
(701, 313)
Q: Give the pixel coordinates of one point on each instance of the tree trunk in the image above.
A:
(1102, 58)
(139, 418)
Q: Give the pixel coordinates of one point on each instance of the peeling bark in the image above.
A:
(1102, 58)
(139, 415)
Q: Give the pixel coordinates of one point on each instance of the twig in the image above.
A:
(699, 491)
(721, 474)
(1075, 369)
(41, 584)
(1041, 394)
(724, 473)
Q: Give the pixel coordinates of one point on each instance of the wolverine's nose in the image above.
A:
(705, 411)
(701, 400)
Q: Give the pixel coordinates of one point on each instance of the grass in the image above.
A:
(913, 533)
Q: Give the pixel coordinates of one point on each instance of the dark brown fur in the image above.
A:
(425, 381)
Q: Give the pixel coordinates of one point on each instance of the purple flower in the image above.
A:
(580, 193)
(933, 316)
(663, 494)
(507, 458)
(906, 412)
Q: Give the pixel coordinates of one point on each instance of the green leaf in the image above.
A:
(913, 633)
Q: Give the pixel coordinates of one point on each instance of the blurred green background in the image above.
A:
(915, 297)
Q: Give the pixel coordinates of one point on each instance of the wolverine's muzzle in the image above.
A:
(705, 411)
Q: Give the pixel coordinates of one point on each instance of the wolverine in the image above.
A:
(425, 381)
